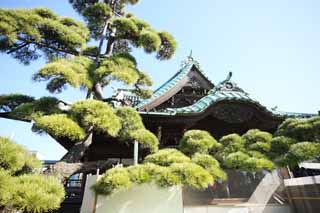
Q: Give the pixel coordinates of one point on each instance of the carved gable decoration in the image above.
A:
(183, 89)
(196, 87)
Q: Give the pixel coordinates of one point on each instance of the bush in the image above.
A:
(166, 157)
(112, 181)
(192, 175)
(147, 139)
(242, 161)
(14, 158)
(210, 164)
(301, 129)
(302, 151)
(197, 141)
(162, 176)
(280, 145)
(37, 193)
(256, 136)
(97, 114)
(60, 125)
(6, 187)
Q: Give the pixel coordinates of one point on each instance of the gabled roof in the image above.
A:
(226, 90)
(186, 67)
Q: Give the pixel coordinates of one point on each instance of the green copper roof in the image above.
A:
(225, 91)
(185, 68)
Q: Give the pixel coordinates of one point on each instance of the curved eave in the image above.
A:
(212, 99)
(209, 101)
(170, 85)
(204, 104)
(167, 86)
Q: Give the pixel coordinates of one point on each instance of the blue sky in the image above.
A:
(272, 47)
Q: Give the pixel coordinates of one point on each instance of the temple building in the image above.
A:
(190, 100)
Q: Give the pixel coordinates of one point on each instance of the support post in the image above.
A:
(135, 153)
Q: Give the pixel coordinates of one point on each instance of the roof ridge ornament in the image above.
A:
(190, 61)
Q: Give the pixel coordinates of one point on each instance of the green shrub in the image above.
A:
(130, 122)
(37, 193)
(6, 187)
(210, 164)
(112, 181)
(15, 158)
(302, 151)
(166, 157)
(300, 129)
(147, 139)
(280, 145)
(255, 135)
(60, 125)
(235, 160)
(197, 141)
(138, 174)
(162, 176)
(97, 114)
(192, 175)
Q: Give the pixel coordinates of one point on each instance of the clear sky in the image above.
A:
(272, 47)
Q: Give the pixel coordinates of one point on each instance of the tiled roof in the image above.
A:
(186, 66)
(226, 91)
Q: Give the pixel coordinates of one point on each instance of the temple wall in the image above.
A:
(236, 209)
(145, 198)
(304, 193)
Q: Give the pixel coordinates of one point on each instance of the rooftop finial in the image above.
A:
(190, 55)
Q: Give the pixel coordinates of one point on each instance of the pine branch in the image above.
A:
(63, 170)
(18, 47)
(8, 115)
(43, 45)
(76, 153)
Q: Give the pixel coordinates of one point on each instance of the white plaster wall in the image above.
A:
(88, 201)
(145, 198)
(235, 209)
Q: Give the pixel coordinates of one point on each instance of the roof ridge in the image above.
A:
(186, 66)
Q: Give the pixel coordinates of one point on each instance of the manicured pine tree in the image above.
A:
(28, 34)
(22, 186)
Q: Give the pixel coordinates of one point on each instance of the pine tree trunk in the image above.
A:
(76, 153)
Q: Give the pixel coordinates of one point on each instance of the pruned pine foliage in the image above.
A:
(14, 158)
(37, 193)
(118, 179)
(165, 168)
(211, 165)
(147, 139)
(9, 102)
(28, 33)
(141, 34)
(253, 151)
(198, 141)
(166, 157)
(21, 187)
(97, 114)
(301, 129)
(73, 71)
(60, 125)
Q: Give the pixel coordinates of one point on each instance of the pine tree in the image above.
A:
(28, 34)
(22, 186)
